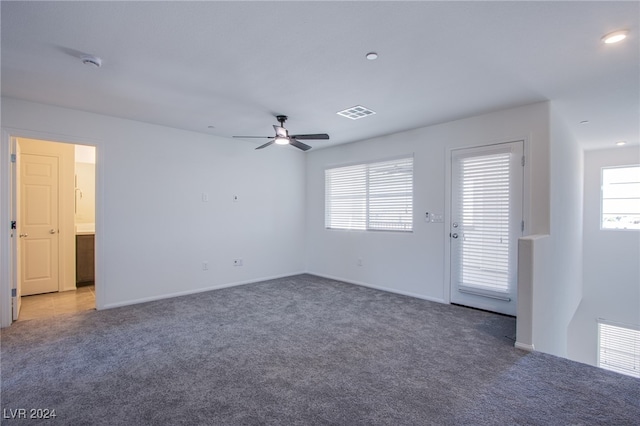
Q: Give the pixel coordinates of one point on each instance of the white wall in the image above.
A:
(558, 288)
(85, 185)
(611, 262)
(85, 154)
(153, 231)
(85, 193)
(414, 263)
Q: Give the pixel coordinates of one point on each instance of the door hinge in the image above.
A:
(13, 224)
(522, 161)
(13, 158)
(14, 293)
(522, 226)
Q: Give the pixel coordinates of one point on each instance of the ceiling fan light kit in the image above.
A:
(615, 36)
(282, 136)
(282, 140)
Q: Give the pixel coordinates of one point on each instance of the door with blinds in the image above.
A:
(486, 222)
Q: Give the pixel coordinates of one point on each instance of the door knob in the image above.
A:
(454, 235)
(52, 231)
(24, 235)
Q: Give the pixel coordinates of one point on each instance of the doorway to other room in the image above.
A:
(54, 204)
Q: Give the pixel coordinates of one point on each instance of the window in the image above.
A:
(620, 198)
(373, 196)
(619, 348)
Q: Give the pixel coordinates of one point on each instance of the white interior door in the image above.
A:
(38, 223)
(16, 302)
(486, 222)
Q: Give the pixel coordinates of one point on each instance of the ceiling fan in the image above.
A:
(282, 136)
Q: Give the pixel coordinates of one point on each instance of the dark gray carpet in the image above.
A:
(300, 350)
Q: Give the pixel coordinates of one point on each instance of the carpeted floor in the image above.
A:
(302, 350)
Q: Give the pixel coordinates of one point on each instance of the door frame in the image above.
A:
(526, 198)
(8, 246)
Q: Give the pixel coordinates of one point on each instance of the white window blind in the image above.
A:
(484, 191)
(346, 197)
(621, 198)
(373, 196)
(619, 348)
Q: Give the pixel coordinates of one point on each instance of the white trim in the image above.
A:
(52, 137)
(526, 185)
(5, 233)
(6, 268)
(524, 347)
(619, 324)
(446, 283)
(196, 291)
(372, 160)
(526, 194)
(600, 217)
(381, 288)
(354, 188)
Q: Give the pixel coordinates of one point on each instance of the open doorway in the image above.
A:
(54, 202)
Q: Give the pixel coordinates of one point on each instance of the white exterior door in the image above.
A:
(38, 223)
(486, 222)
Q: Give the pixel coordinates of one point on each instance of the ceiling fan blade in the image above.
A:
(252, 137)
(308, 137)
(299, 145)
(281, 131)
(266, 144)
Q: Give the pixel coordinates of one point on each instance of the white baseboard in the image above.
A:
(382, 288)
(238, 283)
(198, 290)
(524, 346)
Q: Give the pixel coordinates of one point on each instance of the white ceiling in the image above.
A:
(234, 65)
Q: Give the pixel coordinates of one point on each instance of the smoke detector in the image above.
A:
(91, 60)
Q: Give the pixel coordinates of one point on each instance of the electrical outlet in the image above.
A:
(205, 266)
(359, 261)
(205, 197)
(237, 262)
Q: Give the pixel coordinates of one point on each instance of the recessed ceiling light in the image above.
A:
(584, 122)
(621, 143)
(356, 112)
(211, 127)
(372, 56)
(91, 60)
(615, 36)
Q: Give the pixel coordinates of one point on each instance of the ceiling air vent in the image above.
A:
(356, 112)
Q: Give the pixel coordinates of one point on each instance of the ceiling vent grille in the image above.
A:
(356, 112)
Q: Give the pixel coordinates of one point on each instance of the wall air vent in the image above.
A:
(356, 112)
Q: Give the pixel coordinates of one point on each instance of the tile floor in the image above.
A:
(51, 304)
